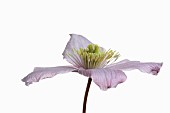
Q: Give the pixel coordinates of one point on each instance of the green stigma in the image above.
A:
(94, 57)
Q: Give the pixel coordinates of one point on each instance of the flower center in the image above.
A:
(94, 57)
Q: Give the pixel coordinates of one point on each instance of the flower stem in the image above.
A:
(86, 94)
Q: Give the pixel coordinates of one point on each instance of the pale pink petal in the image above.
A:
(104, 77)
(147, 67)
(42, 73)
(75, 43)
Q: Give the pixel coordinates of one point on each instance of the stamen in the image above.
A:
(94, 57)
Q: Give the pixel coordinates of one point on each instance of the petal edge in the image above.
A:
(104, 77)
(146, 67)
(76, 42)
(42, 73)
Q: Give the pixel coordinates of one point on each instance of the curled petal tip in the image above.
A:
(26, 83)
(155, 70)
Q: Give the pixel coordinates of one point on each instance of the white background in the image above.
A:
(35, 32)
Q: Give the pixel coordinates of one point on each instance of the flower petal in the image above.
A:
(42, 73)
(147, 67)
(104, 77)
(75, 42)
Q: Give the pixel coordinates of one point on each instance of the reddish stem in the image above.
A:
(86, 94)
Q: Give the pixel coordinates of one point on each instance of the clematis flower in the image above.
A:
(94, 62)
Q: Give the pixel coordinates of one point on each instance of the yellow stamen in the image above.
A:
(94, 57)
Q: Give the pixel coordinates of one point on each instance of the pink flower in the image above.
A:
(94, 62)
